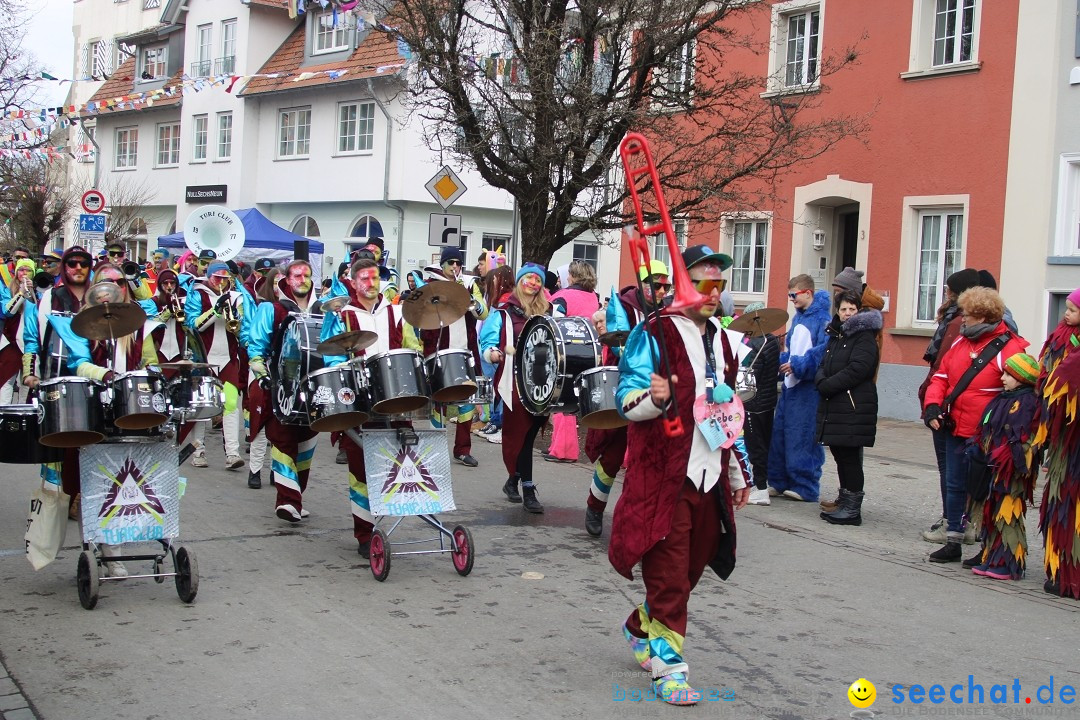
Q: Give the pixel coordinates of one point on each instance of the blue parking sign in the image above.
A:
(91, 227)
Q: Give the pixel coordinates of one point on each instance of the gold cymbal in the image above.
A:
(759, 322)
(347, 342)
(333, 304)
(108, 321)
(437, 304)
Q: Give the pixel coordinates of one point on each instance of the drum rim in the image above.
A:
(136, 373)
(342, 368)
(605, 368)
(447, 351)
(19, 409)
(387, 353)
(70, 379)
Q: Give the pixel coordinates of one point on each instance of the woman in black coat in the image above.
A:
(847, 413)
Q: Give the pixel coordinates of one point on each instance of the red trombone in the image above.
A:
(637, 160)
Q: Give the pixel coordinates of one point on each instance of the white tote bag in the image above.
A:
(46, 525)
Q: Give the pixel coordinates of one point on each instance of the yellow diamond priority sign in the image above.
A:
(446, 187)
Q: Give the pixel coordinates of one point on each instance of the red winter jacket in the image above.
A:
(967, 410)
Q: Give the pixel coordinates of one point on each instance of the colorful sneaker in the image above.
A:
(675, 690)
(997, 573)
(639, 647)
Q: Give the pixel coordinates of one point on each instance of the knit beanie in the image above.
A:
(26, 263)
(1023, 367)
(451, 253)
(961, 280)
(1074, 297)
(849, 279)
(534, 268)
(216, 267)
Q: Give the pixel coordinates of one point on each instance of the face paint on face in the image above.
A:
(300, 280)
(374, 250)
(366, 283)
(531, 284)
(22, 273)
(219, 283)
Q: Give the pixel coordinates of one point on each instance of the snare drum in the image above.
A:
(20, 433)
(337, 399)
(745, 384)
(597, 405)
(484, 395)
(73, 416)
(138, 400)
(551, 352)
(452, 375)
(196, 398)
(396, 382)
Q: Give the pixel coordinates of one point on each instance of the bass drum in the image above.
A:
(551, 353)
(596, 398)
(296, 359)
(20, 435)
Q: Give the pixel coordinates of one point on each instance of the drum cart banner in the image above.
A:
(130, 492)
(408, 479)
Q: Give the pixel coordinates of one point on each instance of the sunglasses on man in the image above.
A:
(117, 253)
(74, 263)
(705, 287)
(795, 295)
(453, 262)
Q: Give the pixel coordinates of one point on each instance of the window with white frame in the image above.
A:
(362, 231)
(102, 59)
(224, 133)
(123, 52)
(226, 64)
(491, 241)
(660, 245)
(356, 126)
(294, 132)
(1067, 231)
(675, 80)
(944, 37)
(201, 131)
(168, 145)
(939, 254)
(750, 253)
(796, 45)
(127, 148)
(306, 226)
(153, 62)
(201, 66)
(331, 32)
(954, 31)
(587, 252)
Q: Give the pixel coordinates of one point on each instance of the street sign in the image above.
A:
(91, 227)
(93, 201)
(446, 187)
(444, 230)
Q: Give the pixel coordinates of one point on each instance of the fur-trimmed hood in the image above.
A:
(866, 319)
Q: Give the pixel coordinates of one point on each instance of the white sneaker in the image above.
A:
(198, 459)
(304, 513)
(773, 492)
(233, 462)
(494, 438)
(759, 497)
(793, 495)
(288, 512)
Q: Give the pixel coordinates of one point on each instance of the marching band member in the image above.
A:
(20, 291)
(497, 340)
(213, 310)
(257, 406)
(675, 514)
(459, 335)
(291, 446)
(367, 310)
(387, 277)
(169, 336)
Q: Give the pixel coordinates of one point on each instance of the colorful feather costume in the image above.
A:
(1058, 435)
(1005, 437)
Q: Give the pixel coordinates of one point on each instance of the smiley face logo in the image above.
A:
(862, 693)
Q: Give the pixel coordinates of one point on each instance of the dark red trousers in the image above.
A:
(519, 431)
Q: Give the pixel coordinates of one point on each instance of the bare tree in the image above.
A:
(127, 201)
(33, 202)
(16, 64)
(537, 95)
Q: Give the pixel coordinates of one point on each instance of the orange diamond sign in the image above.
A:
(446, 187)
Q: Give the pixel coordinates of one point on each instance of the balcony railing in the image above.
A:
(225, 65)
(200, 68)
(151, 4)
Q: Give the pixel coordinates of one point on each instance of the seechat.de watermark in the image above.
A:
(633, 694)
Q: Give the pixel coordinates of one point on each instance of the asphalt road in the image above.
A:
(289, 622)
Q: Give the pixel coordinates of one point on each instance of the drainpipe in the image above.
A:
(386, 188)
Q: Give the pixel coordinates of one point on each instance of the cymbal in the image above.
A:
(183, 365)
(108, 321)
(347, 342)
(437, 304)
(615, 338)
(333, 304)
(759, 322)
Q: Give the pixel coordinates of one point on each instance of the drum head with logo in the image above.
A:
(551, 352)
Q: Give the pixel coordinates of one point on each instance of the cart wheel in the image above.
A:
(187, 575)
(158, 570)
(463, 556)
(87, 579)
(380, 555)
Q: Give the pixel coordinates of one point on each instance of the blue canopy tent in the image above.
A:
(262, 239)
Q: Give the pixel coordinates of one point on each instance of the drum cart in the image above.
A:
(419, 467)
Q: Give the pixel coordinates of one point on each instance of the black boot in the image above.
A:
(950, 552)
(594, 522)
(254, 480)
(510, 489)
(528, 494)
(848, 510)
